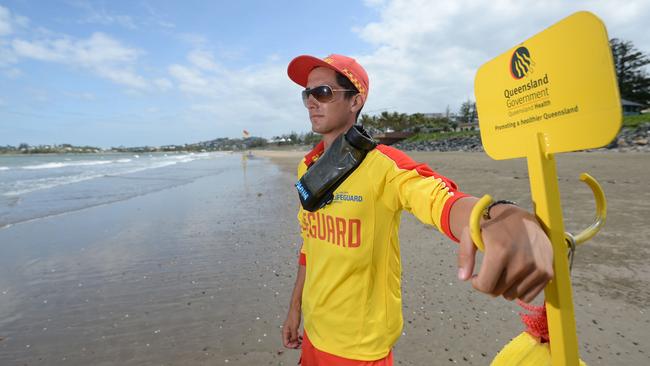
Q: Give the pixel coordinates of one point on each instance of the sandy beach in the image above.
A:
(447, 322)
(201, 273)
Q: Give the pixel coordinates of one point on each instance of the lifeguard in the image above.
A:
(348, 286)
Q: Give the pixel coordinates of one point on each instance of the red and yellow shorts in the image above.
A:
(313, 357)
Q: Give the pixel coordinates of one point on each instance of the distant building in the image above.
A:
(631, 108)
(451, 115)
(468, 126)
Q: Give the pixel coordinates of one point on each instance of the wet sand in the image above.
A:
(193, 275)
(201, 274)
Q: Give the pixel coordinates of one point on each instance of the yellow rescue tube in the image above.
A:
(525, 350)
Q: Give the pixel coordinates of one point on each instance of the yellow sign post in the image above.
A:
(555, 92)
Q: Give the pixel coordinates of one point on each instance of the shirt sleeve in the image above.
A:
(302, 259)
(415, 187)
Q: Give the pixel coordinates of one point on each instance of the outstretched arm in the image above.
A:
(518, 258)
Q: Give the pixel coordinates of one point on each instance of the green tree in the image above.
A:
(633, 80)
(439, 124)
(417, 121)
(310, 138)
(467, 112)
(384, 120)
(394, 121)
(369, 121)
(293, 136)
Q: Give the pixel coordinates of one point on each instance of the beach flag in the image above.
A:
(246, 134)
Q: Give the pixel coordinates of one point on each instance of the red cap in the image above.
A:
(300, 67)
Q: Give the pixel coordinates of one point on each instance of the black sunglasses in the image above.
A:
(322, 93)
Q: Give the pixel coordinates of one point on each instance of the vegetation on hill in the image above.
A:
(636, 121)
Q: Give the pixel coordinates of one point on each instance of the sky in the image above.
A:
(134, 73)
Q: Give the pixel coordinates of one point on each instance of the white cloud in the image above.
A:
(5, 21)
(7, 56)
(95, 13)
(426, 53)
(260, 98)
(190, 80)
(203, 60)
(10, 23)
(99, 53)
(102, 49)
(107, 19)
(121, 76)
(102, 16)
(40, 50)
(157, 18)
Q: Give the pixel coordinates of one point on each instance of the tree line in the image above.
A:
(421, 122)
(631, 71)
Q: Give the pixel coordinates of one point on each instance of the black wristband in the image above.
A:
(486, 214)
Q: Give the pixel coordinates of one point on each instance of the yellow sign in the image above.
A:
(555, 92)
(560, 83)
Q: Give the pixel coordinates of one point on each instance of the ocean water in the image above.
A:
(37, 186)
(170, 259)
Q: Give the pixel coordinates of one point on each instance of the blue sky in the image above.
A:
(110, 73)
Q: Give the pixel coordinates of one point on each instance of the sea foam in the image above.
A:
(56, 165)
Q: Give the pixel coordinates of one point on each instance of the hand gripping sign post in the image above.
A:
(555, 92)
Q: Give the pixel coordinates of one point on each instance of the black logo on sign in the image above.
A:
(521, 63)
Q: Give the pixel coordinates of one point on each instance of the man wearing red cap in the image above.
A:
(348, 286)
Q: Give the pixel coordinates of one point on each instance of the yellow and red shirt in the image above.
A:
(352, 301)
